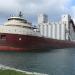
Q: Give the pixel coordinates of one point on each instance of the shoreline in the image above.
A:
(5, 68)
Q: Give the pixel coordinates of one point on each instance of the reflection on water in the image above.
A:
(56, 62)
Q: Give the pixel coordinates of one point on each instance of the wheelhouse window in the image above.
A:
(3, 37)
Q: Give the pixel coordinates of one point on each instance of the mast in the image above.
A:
(20, 14)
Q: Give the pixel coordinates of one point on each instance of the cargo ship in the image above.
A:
(17, 34)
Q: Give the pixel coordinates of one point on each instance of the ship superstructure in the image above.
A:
(17, 25)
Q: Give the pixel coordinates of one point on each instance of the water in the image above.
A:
(54, 62)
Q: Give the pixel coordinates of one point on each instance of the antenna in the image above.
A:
(20, 14)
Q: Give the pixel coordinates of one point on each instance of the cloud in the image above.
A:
(36, 6)
(33, 7)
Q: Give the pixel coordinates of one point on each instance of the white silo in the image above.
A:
(65, 26)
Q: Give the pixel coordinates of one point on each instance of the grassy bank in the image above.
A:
(4, 70)
(11, 72)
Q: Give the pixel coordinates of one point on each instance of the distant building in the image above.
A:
(62, 30)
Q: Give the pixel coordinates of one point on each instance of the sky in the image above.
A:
(32, 8)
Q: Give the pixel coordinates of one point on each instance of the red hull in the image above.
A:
(15, 42)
